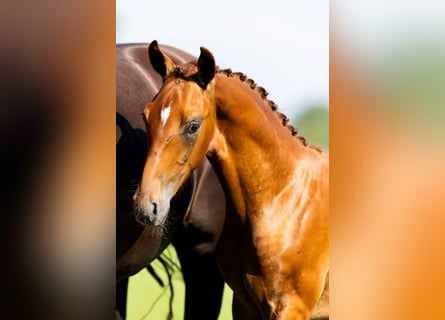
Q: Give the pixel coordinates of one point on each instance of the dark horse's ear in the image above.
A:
(206, 66)
(160, 61)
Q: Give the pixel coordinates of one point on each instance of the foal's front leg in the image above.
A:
(278, 299)
(298, 301)
(291, 307)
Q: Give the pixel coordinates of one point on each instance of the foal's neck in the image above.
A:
(256, 155)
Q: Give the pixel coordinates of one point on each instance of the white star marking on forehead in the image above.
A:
(165, 113)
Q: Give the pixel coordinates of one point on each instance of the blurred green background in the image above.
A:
(313, 124)
(147, 300)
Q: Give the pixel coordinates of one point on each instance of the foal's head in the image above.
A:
(180, 125)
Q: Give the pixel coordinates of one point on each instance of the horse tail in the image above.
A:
(167, 266)
(170, 267)
(155, 275)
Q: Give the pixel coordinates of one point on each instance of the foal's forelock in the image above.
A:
(188, 72)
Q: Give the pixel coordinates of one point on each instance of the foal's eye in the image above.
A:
(192, 127)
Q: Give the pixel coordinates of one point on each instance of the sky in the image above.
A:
(375, 28)
(282, 45)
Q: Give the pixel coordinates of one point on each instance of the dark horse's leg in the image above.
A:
(121, 297)
(130, 155)
(203, 281)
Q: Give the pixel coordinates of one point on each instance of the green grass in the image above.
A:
(147, 300)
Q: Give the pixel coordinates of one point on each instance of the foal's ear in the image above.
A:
(206, 66)
(160, 61)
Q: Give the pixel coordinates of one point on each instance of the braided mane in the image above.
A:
(263, 93)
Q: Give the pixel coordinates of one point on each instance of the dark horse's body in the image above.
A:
(197, 215)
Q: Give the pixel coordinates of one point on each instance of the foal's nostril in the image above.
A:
(155, 209)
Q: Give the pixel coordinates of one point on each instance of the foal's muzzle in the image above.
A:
(148, 214)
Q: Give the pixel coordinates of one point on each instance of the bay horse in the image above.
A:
(196, 214)
(273, 249)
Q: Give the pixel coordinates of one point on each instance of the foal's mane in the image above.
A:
(263, 93)
(189, 72)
